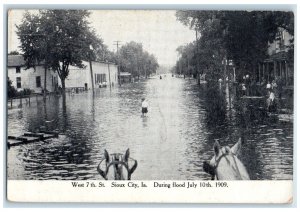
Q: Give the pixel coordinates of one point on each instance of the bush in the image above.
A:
(24, 92)
(11, 91)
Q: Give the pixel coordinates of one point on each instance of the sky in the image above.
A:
(158, 31)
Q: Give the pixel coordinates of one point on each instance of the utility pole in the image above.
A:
(197, 59)
(117, 43)
(91, 68)
(109, 74)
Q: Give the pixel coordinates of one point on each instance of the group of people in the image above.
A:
(272, 89)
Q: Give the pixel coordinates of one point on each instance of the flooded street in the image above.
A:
(171, 143)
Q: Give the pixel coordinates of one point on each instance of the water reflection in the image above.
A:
(171, 143)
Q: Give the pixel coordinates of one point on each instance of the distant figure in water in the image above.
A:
(160, 77)
(144, 107)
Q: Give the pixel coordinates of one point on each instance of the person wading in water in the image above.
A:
(144, 107)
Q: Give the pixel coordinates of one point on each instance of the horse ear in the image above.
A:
(127, 153)
(106, 155)
(237, 147)
(217, 148)
(227, 150)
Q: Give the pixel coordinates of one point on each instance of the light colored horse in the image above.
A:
(116, 166)
(225, 164)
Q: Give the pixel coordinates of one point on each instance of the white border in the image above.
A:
(157, 2)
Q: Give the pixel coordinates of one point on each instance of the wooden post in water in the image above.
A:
(259, 73)
(109, 74)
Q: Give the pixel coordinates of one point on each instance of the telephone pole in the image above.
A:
(197, 58)
(117, 43)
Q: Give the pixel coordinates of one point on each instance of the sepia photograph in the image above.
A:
(150, 95)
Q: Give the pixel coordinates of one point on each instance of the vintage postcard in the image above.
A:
(155, 106)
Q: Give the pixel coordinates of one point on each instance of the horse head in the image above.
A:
(225, 164)
(116, 166)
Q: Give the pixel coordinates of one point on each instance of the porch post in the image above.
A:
(286, 73)
(275, 66)
(280, 68)
(268, 72)
(263, 71)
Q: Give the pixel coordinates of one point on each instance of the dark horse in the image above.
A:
(225, 165)
(117, 166)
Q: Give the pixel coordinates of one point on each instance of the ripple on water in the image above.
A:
(171, 143)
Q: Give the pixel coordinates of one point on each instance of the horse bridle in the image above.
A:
(117, 162)
(214, 172)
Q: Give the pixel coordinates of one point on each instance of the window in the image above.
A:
(280, 39)
(38, 81)
(100, 78)
(18, 69)
(18, 82)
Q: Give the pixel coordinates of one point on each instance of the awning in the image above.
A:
(125, 74)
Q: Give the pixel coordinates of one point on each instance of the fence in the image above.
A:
(26, 99)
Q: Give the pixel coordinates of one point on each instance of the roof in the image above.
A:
(15, 60)
(105, 62)
(125, 74)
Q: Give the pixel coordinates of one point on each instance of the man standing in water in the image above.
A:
(144, 107)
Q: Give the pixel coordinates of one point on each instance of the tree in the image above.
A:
(59, 39)
(135, 60)
(237, 35)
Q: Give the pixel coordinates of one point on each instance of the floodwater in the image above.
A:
(171, 143)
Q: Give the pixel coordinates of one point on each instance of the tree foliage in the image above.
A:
(135, 60)
(240, 36)
(59, 39)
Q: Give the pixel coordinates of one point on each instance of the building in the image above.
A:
(278, 64)
(125, 77)
(32, 78)
(103, 74)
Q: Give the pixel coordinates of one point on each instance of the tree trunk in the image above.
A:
(45, 83)
(63, 84)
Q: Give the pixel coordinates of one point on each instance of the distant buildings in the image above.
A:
(104, 74)
(125, 77)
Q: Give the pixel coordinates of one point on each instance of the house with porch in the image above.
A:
(278, 64)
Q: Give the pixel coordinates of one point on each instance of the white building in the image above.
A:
(32, 79)
(104, 74)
